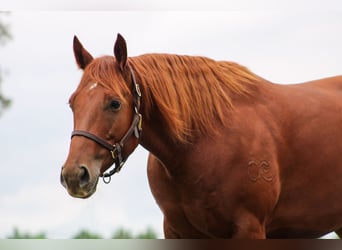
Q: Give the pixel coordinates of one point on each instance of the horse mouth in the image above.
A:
(82, 193)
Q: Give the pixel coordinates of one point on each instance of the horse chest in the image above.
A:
(203, 214)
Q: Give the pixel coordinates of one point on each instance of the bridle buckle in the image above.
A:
(113, 152)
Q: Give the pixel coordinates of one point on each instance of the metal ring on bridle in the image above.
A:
(106, 178)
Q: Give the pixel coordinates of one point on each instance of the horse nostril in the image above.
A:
(84, 176)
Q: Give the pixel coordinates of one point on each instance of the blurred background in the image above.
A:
(38, 73)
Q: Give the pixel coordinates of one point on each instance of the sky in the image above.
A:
(283, 46)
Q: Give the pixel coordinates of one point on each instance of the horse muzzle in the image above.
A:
(79, 181)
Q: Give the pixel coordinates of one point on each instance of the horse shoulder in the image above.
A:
(164, 190)
(160, 182)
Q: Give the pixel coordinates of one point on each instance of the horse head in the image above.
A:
(107, 122)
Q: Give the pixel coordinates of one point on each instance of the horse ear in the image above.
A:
(120, 52)
(83, 57)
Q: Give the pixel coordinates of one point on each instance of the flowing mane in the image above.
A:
(191, 93)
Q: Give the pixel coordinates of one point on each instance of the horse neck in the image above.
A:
(159, 127)
(155, 138)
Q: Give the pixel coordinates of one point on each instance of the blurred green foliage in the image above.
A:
(24, 235)
(5, 36)
(85, 234)
(120, 233)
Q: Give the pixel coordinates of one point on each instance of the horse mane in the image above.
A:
(191, 93)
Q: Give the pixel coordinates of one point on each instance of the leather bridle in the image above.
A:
(116, 148)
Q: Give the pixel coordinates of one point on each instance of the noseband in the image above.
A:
(116, 148)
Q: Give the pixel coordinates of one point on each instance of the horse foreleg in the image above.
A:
(249, 227)
(169, 233)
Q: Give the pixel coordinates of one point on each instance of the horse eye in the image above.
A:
(115, 105)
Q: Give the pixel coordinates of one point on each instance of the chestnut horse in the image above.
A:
(232, 155)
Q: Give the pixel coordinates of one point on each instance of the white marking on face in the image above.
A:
(94, 85)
